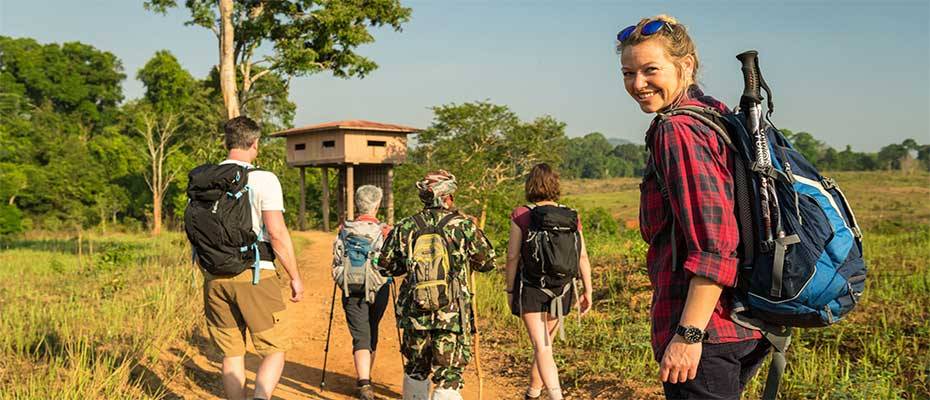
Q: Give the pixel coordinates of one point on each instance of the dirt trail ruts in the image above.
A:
(309, 319)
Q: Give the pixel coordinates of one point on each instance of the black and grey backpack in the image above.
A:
(550, 254)
(218, 221)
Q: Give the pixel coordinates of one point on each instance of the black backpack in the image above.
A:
(218, 221)
(549, 256)
(550, 251)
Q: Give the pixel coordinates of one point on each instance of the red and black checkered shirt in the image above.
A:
(695, 166)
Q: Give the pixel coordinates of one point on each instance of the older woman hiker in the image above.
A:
(687, 217)
(541, 284)
(364, 291)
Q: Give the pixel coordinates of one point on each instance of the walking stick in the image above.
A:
(400, 339)
(474, 315)
(332, 304)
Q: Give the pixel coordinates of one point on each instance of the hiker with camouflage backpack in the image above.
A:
(364, 291)
(545, 257)
(435, 249)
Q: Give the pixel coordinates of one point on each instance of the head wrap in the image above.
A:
(435, 186)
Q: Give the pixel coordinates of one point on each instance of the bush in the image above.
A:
(11, 220)
(599, 221)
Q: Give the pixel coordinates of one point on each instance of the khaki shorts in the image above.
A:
(232, 304)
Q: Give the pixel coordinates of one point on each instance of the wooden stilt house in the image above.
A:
(359, 152)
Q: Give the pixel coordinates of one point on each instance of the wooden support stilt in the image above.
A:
(389, 195)
(341, 194)
(302, 212)
(350, 192)
(325, 183)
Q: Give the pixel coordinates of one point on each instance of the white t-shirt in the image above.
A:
(264, 195)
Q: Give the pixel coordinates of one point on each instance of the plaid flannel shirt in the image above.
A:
(695, 166)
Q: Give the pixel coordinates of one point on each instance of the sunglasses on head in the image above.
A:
(650, 28)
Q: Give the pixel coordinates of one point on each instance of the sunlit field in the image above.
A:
(881, 352)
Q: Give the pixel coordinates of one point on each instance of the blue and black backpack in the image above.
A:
(800, 247)
(218, 221)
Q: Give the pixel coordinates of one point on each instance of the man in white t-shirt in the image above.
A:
(233, 304)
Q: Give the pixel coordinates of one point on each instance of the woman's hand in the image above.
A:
(585, 302)
(680, 362)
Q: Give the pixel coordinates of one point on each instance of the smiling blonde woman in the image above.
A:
(687, 218)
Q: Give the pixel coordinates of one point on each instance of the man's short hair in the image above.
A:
(241, 133)
(367, 198)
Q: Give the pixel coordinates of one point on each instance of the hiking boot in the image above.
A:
(365, 392)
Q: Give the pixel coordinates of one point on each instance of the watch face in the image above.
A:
(690, 334)
(693, 335)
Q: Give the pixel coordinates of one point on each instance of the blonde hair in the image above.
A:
(675, 40)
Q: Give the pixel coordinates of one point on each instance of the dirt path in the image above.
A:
(302, 373)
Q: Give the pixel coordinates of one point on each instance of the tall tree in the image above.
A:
(58, 105)
(78, 80)
(168, 87)
(307, 36)
(158, 120)
(159, 132)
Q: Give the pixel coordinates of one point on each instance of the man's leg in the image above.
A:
(451, 354)
(234, 377)
(262, 309)
(363, 361)
(268, 375)
(418, 356)
(226, 327)
(356, 310)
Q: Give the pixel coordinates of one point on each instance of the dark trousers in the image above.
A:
(363, 318)
(723, 372)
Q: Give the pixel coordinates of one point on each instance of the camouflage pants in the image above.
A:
(444, 354)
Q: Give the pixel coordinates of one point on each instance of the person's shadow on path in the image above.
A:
(296, 377)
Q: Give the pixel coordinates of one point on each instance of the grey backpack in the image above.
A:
(354, 254)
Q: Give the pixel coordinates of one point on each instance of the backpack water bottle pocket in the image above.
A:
(431, 295)
(357, 263)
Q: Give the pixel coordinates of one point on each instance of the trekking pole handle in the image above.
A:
(750, 68)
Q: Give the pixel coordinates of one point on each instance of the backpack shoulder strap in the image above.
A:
(447, 219)
(419, 221)
(707, 116)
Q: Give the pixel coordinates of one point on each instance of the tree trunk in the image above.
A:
(80, 250)
(227, 60)
(484, 215)
(156, 214)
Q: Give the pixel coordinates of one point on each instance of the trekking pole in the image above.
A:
(400, 339)
(332, 304)
(751, 108)
(776, 370)
(474, 319)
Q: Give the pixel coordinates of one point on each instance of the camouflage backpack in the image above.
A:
(429, 253)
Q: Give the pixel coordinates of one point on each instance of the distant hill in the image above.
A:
(618, 141)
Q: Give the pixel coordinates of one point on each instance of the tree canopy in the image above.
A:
(306, 37)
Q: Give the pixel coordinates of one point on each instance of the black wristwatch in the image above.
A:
(691, 334)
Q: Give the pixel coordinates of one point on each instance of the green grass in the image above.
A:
(95, 329)
(618, 195)
(882, 351)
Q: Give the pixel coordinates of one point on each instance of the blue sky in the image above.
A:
(850, 72)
